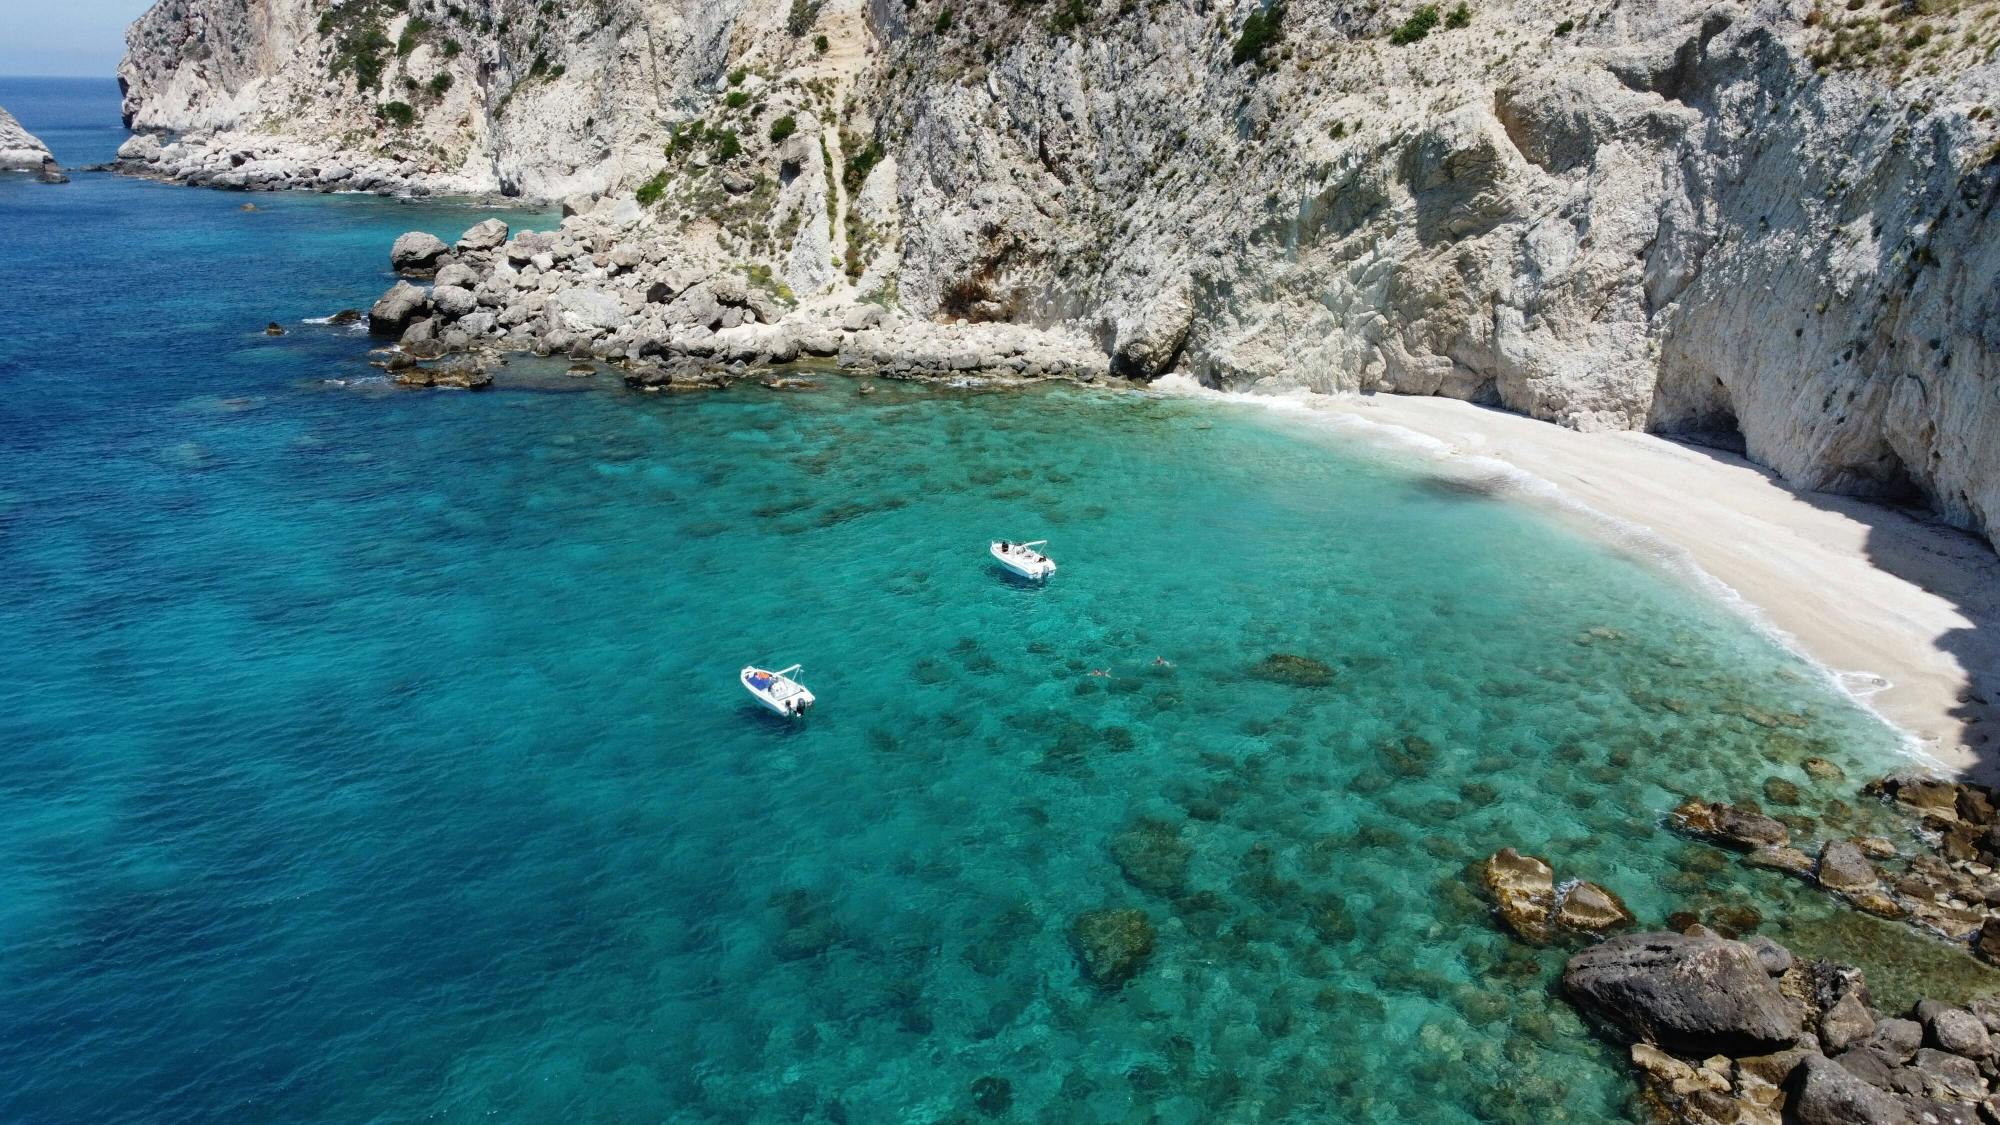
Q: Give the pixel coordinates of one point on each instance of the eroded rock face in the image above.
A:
(1692, 994)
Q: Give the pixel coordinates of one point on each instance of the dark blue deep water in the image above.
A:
(376, 755)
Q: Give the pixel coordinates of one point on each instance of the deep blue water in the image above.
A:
(376, 755)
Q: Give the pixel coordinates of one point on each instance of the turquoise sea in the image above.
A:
(377, 755)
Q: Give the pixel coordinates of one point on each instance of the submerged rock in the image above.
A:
(1694, 994)
(462, 375)
(1791, 861)
(1296, 671)
(1153, 856)
(1781, 792)
(1728, 825)
(1112, 945)
(992, 1095)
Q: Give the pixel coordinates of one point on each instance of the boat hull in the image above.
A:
(778, 694)
(1032, 568)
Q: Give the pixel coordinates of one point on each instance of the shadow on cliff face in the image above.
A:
(1911, 543)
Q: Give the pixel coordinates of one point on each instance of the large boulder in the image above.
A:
(1524, 891)
(1823, 1092)
(459, 274)
(416, 253)
(590, 311)
(1588, 909)
(140, 148)
(1958, 1031)
(1112, 945)
(453, 301)
(1694, 994)
(1846, 1022)
(483, 237)
(396, 309)
(1843, 868)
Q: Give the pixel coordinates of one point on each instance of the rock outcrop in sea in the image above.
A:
(1772, 222)
(22, 151)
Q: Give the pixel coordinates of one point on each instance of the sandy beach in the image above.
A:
(1906, 611)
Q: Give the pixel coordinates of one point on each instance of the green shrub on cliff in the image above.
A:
(413, 34)
(398, 114)
(861, 160)
(440, 84)
(1458, 17)
(803, 14)
(360, 51)
(650, 192)
(727, 147)
(1072, 15)
(783, 127)
(943, 23)
(1262, 29)
(1414, 29)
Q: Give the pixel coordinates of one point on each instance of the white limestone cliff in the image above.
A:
(1766, 218)
(20, 150)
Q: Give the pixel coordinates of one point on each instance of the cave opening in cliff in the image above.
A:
(1712, 424)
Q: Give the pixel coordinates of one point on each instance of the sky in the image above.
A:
(65, 37)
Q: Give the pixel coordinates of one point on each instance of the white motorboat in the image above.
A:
(1024, 559)
(777, 690)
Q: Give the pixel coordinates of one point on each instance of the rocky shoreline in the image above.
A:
(588, 292)
(233, 162)
(1723, 1031)
(1724, 1027)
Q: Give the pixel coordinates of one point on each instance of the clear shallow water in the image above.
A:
(377, 755)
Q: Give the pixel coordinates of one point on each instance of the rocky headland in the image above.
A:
(1770, 223)
(22, 151)
(670, 322)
